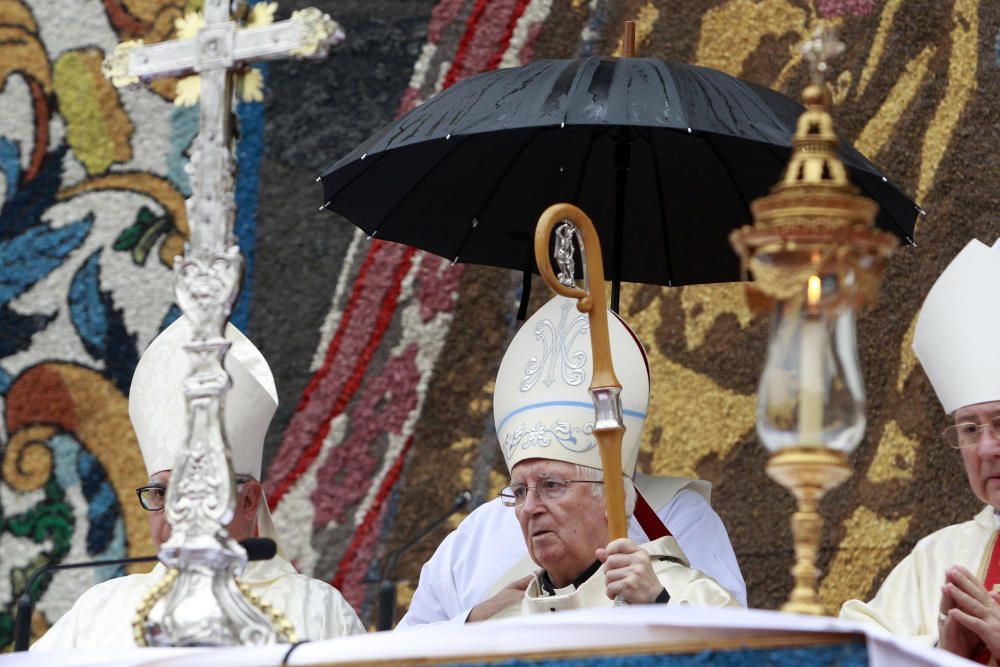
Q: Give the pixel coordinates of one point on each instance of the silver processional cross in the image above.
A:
(200, 603)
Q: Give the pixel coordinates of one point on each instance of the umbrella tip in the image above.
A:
(628, 40)
(319, 178)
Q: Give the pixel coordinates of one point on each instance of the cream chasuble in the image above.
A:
(102, 617)
(684, 584)
(907, 603)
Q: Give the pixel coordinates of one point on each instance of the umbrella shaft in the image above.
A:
(623, 160)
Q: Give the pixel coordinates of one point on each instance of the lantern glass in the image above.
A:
(811, 392)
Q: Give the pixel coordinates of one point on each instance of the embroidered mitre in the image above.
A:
(541, 404)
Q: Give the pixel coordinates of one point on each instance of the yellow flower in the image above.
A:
(188, 25)
(188, 91)
(250, 86)
(262, 14)
(249, 83)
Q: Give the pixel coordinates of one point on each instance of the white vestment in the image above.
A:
(487, 550)
(684, 585)
(102, 617)
(907, 604)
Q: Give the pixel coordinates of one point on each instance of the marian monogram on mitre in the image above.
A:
(558, 360)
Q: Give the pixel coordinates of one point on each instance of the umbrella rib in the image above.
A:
(492, 193)
(663, 213)
(361, 173)
(413, 187)
(583, 166)
(729, 173)
(861, 185)
(866, 191)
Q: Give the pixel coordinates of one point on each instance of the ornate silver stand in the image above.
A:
(200, 603)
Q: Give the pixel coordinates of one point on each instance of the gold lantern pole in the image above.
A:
(812, 231)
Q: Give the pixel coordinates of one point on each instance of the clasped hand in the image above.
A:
(629, 572)
(969, 615)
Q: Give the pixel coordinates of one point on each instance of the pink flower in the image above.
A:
(832, 8)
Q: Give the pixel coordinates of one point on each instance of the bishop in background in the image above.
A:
(943, 592)
(102, 617)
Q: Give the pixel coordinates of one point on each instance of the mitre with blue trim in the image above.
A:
(541, 404)
(957, 336)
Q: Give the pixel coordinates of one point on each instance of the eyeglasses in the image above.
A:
(153, 497)
(967, 434)
(547, 489)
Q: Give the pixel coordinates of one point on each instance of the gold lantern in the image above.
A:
(815, 257)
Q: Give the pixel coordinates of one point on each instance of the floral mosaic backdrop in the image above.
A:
(384, 356)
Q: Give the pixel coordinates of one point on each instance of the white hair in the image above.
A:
(597, 475)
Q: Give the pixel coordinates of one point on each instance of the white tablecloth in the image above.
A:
(640, 626)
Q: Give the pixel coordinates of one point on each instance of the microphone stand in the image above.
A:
(387, 585)
(258, 548)
(25, 605)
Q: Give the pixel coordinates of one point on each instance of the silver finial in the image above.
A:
(818, 50)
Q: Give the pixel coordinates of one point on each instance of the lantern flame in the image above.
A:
(813, 291)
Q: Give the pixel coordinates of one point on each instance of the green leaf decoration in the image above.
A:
(141, 236)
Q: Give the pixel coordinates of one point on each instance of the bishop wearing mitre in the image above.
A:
(544, 418)
(102, 617)
(942, 592)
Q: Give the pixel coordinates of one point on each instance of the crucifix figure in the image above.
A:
(200, 603)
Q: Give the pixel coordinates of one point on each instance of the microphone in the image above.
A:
(257, 548)
(387, 587)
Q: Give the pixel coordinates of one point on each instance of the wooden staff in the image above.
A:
(604, 386)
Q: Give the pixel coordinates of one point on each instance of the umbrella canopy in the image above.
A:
(680, 151)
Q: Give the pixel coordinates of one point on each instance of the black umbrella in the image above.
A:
(665, 158)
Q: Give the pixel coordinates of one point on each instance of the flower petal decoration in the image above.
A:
(188, 91)
(250, 85)
(97, 128)
(261, 14)
(249, 82)
(24, 55)
(100, 323)
(187, 26)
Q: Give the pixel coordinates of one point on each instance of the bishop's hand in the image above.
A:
(629, 572)
(507, 596)
(969, 616)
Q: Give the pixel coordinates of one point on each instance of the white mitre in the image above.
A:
(957, 336)
(158, 409)
(541, 404)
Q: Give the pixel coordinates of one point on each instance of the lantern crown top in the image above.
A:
(814, 161)
(813, 222)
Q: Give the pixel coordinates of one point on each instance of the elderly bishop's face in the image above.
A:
(982, 461)
(562, 534)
